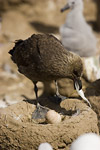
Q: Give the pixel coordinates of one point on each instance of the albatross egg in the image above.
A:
(53, 117)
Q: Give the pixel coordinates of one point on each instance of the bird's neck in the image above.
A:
(77, 10)
(75, 17)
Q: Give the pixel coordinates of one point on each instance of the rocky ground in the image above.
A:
(19, 20)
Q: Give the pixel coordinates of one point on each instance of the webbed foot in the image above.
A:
(40, 112)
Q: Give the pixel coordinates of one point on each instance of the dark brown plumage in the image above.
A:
(42, 57)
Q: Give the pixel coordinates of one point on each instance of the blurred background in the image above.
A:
(19, 19)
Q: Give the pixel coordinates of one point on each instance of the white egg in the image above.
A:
(45, 146)
(53, 117)
(88, 141)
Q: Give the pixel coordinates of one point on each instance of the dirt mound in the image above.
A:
(18, 131)
(93, 94)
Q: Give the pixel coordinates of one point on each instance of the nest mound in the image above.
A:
(18, 131)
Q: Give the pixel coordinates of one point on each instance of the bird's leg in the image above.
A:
(36, 93)
(57, 92)
(60, 97)
(40, 111)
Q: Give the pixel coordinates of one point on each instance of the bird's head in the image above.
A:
(76, 70)
(77, 73)
(71, 4)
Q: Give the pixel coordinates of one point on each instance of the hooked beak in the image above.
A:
(65, 8)
(78, 82)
